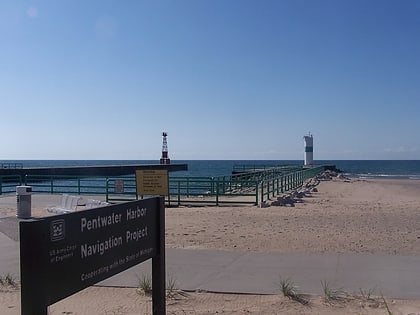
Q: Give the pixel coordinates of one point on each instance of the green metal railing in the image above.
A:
(252, 187)
(13, 165)
(187, 190)
(243, 188)
(8, 183)
(58, 184)
(210, 190)
(121, 189)
(275, 186)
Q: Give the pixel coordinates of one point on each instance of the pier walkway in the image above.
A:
(99, 170)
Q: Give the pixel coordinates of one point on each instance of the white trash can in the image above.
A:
(23, 198)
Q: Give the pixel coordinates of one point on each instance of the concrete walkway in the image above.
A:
(252, 272)
(260, 273)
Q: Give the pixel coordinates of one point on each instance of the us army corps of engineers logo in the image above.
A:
(57, 230)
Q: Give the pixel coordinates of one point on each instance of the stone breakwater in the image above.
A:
(308, 187)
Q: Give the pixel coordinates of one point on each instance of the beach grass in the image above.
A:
(332, 294)
(144, 284)
(290, 290)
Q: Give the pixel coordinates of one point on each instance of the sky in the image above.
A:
(226, 79)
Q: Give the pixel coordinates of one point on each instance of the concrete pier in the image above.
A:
(100, 170)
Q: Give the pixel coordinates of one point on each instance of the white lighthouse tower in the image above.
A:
(309, 149)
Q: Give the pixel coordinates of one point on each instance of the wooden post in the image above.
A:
(158, 266)
(31, 276)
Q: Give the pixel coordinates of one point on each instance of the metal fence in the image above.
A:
(274, 186)
(249, 187)
(8, 183)
(12, 165)
(243, 188)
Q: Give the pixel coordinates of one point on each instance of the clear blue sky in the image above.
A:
(227, 79)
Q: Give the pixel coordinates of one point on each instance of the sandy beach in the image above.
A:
(344, 216)
(358, 216)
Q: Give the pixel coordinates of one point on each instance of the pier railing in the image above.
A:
(12, 165)
(8, 183)
(186, 190)
(248, 187)
(211, 191)
(277, 185)
(58, 184)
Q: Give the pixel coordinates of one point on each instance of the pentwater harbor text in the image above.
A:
(99, 247)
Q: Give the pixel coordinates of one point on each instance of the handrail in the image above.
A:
(8, 183)
(274, 186)
(58, 184)
(252, 187)
(12, 165)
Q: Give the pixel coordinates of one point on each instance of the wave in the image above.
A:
(383, 176)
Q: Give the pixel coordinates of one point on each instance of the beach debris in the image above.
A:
(302, 193)
(286, 200)
(264, 204)
(327, 175)
(330, 175)
(343, 177)
(312, 182)
(281, 201)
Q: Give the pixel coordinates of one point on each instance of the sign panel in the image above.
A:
(118, 186)
(63, 254)
(152, 182)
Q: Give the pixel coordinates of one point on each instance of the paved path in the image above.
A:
(251, 272)
(244, 272)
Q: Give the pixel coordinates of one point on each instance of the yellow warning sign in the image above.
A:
(152, 182)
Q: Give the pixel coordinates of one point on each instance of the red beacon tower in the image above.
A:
(165, 159)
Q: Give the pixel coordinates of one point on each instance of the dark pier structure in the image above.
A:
(102, 170)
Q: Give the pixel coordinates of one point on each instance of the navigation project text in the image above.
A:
(99, 247)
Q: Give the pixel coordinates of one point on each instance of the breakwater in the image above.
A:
(89, 171)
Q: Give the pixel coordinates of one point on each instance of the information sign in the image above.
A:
(118, 186)
(63, 254)
(152, 182)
